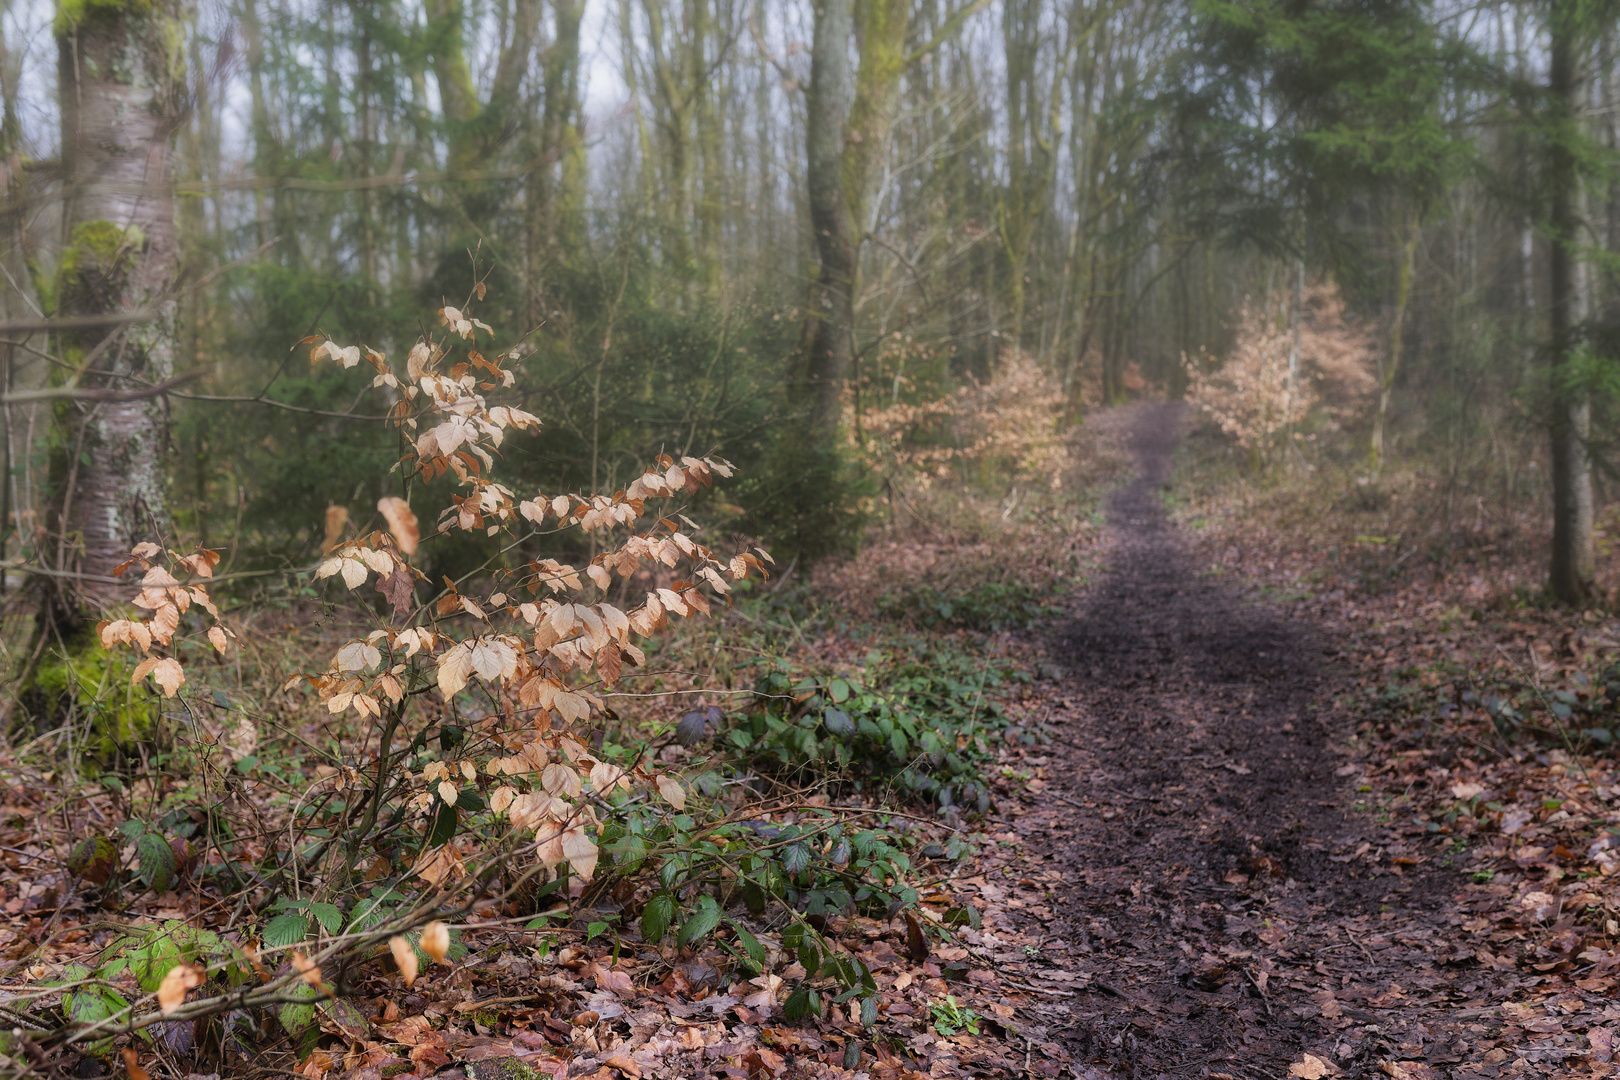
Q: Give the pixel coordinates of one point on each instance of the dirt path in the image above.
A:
(1219, 911)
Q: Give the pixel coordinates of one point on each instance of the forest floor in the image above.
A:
(1296, 784)
(1235, 903)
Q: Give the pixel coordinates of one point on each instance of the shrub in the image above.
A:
(1252, 393)
(470, 768)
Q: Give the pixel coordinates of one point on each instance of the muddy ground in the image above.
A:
(1218, 912)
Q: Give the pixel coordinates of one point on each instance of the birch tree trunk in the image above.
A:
(120, 70)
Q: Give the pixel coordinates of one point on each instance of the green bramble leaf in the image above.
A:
(328, 915)
(657, 916)
(286, 929)
(795, 857)
(801, 1003)
(156, 860)
(750, 944)
(701, 923)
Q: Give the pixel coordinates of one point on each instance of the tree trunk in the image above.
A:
(1572, 570)
(119, 72)
(1397, 325)
(554, 191)
(476, 129)
(821, 383)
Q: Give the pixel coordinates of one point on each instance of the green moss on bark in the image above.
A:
(98, 244)
(83, 678)
(72, 14)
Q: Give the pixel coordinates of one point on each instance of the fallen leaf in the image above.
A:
(1311, 1067)
(916, 943)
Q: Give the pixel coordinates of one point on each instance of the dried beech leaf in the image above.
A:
(172, 991)
(399, 589)
(337, 521)
(436, 940)
(404, 956)
(672, 791)
(402, 524)
(308, 970)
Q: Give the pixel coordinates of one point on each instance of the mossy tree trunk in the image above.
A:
(1572, 571)
(120, 70)
(820, 384)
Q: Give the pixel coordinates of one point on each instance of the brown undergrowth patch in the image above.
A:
(1488, 723)
(823, 892)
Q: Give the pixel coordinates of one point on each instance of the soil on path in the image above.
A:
(1219, 914)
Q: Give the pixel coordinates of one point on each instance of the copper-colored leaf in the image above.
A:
(251, 952)
(436, 940)
(172, 991)
(405, 957)
(399, 589)
(916, 943)
(169, 675)
(625, 1064)
(132, 1066)
(610, 662)
(580, 850)
(308, 970)
(1310, 1067)
(337, 520)
(670, 788)
(402, 523)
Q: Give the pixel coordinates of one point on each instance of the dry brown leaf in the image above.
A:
(399, 589)
(1310, 1067)
(337, 520)
(402, 523)
(251, 952)
(133, 1067)
(169, 675)
(670, 788)
(172, 990)
(436, 940)
(405, 957)
(438, 865)
(308, 970)
(580, 851)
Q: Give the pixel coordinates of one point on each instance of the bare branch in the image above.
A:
(74, 393)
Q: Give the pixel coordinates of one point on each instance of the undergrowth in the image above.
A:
(514, 748)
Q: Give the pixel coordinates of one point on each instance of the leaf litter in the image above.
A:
(1232, 860)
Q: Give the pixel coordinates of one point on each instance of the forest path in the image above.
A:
(1220, 916)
